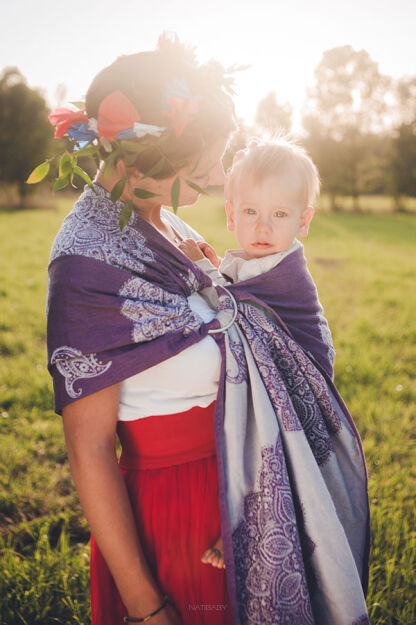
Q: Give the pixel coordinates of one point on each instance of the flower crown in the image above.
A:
(119, 119)
(119, 131)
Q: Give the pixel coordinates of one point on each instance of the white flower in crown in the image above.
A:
(93, 123)
(140, 130)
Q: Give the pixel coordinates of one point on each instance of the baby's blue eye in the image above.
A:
(279, 214)
(250, 211)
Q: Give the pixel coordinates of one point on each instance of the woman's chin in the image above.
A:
(189, 200)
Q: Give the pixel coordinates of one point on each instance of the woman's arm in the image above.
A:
(90, 433)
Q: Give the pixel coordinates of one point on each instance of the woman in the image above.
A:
(191, 386)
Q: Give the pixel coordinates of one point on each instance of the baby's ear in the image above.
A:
(305, 221)
(229, 209)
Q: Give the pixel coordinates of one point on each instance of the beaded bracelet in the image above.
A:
(134, 619)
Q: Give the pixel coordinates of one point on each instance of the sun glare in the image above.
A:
(282, 44)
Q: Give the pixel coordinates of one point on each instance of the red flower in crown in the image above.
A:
(64, 118)
(182, 111)
(116, 113)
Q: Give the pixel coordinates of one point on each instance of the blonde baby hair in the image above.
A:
(265, 159)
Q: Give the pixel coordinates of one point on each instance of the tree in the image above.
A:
(346, 106)
(25, 132)
(402, 177)
(272, 116)
(403, 164)
(405, 100)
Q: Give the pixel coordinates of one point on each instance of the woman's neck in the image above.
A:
(149, 210)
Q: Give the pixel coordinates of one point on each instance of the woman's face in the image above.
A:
(208, 172)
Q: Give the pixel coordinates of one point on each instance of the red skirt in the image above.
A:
(170, 469)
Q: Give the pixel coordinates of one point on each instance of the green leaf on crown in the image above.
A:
(60, 183)
(132, 146)
(109, 163)
(118, 189)
(79, 105)
(156, 169)
(130, 159)
(144, 194)
(125, 214)
(196, 187)
(66, 165)
(89, 150)
(39, 173)
(174, 193)
(83, 175)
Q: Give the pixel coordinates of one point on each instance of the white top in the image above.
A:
(238, 268)
(188, 379)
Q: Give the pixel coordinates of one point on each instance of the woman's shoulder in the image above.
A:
(186, 231)
(92, 230)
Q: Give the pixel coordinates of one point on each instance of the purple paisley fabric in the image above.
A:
(307, 406)
(291, 472)
(290, 292)
(274, 554)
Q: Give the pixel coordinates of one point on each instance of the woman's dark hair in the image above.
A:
(143, 78)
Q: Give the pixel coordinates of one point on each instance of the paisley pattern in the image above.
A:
(192, 281)
(307, 406)
(267, 547)
(74, 366)
(91, 229)
(237, 373)
(155, 311)
(307, 544)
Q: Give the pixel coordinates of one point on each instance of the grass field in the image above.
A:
(365, 269)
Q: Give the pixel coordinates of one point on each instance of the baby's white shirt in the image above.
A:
(238, 268)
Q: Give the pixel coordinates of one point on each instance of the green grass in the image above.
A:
(365, 269)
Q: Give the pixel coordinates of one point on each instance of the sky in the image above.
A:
(61, 43)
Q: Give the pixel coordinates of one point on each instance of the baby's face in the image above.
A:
(267, 216)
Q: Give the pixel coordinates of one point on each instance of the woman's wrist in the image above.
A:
(145, 602)
(146, 617)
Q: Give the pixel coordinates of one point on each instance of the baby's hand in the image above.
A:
(191, 249)
(209, 253)
(215, 555)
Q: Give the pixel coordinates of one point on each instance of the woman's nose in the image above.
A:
(216, 175)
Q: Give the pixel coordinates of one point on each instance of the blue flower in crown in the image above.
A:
(83, 134)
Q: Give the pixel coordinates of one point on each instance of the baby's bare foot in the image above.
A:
(215, 555)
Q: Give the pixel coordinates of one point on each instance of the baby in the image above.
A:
(270, 192)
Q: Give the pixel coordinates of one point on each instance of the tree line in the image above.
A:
(358, 125)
